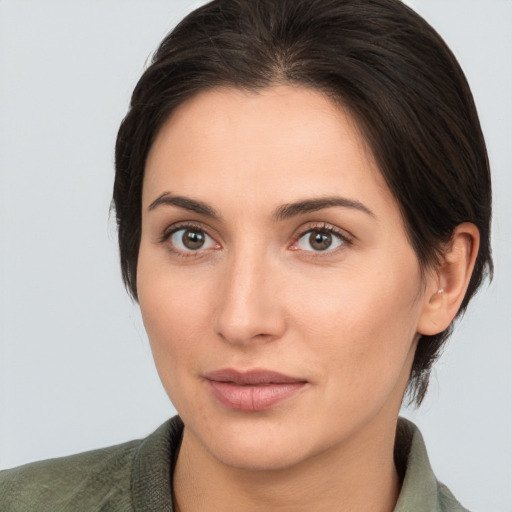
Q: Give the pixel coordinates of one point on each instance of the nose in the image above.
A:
(249, 307)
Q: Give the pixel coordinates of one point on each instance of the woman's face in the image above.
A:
(276, 282)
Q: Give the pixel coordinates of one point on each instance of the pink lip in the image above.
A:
(255, 390)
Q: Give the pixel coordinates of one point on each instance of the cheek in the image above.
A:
(363, 324)
(174, 310)
(170, 298)
(175, 334)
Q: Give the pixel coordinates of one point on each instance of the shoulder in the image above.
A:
(112, 479)
(70, 483)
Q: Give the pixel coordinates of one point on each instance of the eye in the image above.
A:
(320, 240)
(191, 239)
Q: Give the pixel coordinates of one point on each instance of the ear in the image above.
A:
(447, 285)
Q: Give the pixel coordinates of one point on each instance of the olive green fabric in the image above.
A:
(136, 477)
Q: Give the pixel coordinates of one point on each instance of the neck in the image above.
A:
(358, 475)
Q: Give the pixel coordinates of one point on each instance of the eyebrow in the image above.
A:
(283, 212)
(184, 202)
(289, 210)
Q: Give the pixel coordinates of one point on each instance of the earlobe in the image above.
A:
(447, 285)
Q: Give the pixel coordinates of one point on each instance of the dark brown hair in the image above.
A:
(378, 59)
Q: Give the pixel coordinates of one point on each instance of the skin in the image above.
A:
(257, 295)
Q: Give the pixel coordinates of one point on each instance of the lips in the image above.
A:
(255, 390)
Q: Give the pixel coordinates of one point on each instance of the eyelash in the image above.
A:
(342, 235)
(345, 238)
(166, 236)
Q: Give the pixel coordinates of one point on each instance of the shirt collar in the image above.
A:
(420, 491)
(153, 465)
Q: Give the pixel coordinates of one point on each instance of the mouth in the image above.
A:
(255, 390)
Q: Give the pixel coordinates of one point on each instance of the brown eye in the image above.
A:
(318, 240)
(191, 239)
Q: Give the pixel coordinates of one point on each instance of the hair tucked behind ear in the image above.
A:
(378, 59)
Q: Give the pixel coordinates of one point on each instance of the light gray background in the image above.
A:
(75, 366)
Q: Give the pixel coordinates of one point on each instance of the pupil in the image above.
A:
(193, 239)
(320, 241)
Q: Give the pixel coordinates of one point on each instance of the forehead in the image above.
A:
(282, 141)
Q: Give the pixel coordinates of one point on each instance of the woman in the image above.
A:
(303, 200)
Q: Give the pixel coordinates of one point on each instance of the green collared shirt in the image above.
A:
(136, 477)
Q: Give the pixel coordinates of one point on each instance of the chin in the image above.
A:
(261, 454)
(257, 442)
